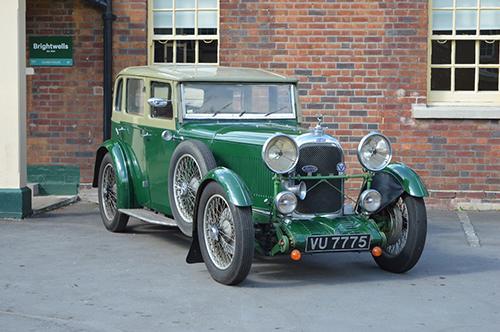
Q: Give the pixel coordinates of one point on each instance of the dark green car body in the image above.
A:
(142, 157)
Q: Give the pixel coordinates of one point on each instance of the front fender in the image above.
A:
(409, 180)
(236, 190)
(122, 175)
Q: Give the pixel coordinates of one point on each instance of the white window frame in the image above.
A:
(174, 37)
(446, 98)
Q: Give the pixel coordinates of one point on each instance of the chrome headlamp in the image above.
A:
(280, 153)
(285, 202)
(370, 200)
(374, 152)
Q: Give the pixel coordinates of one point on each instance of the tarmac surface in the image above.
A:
(62, 271)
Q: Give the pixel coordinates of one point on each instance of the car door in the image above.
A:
(160, 127)
(132, 135)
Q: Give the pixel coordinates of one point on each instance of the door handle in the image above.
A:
(120, 129)
(144, 133)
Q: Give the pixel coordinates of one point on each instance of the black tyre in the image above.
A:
(406, 234)
(226, 236)
(190, 161)
(112, 219)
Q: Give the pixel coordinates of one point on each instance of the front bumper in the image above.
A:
(297, 231)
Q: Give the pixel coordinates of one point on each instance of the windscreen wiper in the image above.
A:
(222, 108)
(276, 111)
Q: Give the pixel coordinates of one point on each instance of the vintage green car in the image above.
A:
(219, 152)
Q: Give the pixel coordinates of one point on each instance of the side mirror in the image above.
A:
(161, 108)
(158, 102)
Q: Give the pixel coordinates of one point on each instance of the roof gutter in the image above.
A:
(108, 18)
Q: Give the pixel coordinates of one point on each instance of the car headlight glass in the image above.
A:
(285, 202)
(280, 153)
(374, 152)
(370, 200)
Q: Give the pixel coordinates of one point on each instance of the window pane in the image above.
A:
(488, 52)
(237, 99)
(161, 90)
(488, 79)
(440, 79)
(466, 22)
(184, 22)
(184, 3)
(466, 3)
(208, 51)
(162, 23)
(489, 3)
(185, 51)
(207, 3)
(164, 51)
(442, 22)
(207, 23)
(441, 52)
(465, 51)
(162, 4)
(118, 98)
(135, 96)
(442, 3)
(490, 22)
(464, 79)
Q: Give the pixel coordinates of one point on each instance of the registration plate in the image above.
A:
(355, 242)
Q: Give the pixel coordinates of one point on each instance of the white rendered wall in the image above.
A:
(13, 94)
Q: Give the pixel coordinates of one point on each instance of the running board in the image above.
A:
(149, 216)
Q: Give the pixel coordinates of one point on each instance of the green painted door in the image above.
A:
(160, 145)
(134, 135)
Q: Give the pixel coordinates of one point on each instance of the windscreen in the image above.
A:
(238, 100)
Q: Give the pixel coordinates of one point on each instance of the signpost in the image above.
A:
(51, 51)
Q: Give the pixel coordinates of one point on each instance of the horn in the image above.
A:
(300, 190)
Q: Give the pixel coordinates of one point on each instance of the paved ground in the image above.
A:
(61, 271)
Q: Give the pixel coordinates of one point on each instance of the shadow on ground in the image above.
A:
(446, 254)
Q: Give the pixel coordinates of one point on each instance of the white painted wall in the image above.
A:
(13, 94)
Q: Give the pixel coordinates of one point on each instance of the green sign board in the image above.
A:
(51, 51)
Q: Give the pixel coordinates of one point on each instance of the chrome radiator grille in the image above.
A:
(322, 197)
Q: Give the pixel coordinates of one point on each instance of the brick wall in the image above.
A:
(65, 103)
(362, 64)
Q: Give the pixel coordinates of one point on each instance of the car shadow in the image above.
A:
(347, 268)
(170, 234)
(453, 257)
(446, 254)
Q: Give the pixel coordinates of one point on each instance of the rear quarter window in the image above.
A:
(135, 96)
(118, 96)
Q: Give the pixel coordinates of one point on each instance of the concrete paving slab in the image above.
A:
(88, 195)
(41, 204)
(487, 227)
(63, 271)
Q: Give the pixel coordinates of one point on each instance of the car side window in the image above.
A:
(135, 96)
(162, 90)
(118, 96)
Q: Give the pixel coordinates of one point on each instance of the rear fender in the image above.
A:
(236, 191)
(122, 175)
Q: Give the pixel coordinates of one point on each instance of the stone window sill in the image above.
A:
(422, 111)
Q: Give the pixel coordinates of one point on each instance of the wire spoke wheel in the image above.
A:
(218, 230)
(225, 234)
(187, 176)
(399, 214)
(108, 195)
(108, 192)
(405, 230)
